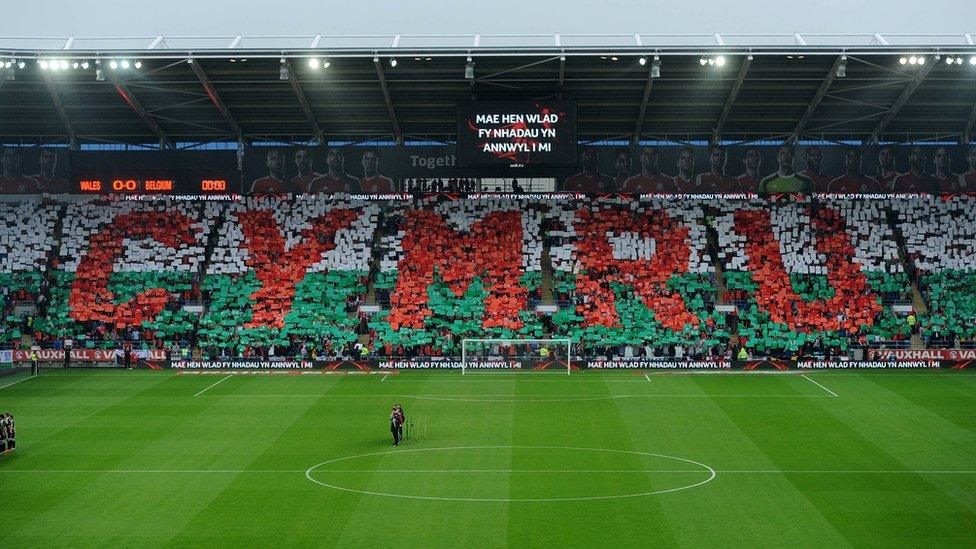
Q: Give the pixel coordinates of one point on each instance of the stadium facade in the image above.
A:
(360, 196)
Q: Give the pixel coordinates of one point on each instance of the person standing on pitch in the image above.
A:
(9, 432)
(35, 355)
(395, 426)
(401, 419)
(3, 433)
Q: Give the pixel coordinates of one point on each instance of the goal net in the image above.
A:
(514, 354)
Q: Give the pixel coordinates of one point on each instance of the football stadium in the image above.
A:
(488, 290)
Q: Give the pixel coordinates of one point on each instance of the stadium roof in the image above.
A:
(227, 88)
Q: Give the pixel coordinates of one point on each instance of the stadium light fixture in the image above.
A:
(393, 62)
(85, 64)
(22, 65)
(124, 64)
(642, 60)
(75, 65)
(921, 60)
(903, 60)
(314, 63)
(842, 67)
(720, 61)
(137, 64)
(43, 64)
(972, 60)
(950, 60)
(99, 75)
(283, 70)
(656, 67)
(702, 61)
(63, 64)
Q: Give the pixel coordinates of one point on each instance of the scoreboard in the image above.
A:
(155, 172)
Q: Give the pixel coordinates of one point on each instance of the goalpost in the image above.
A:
(490, 353)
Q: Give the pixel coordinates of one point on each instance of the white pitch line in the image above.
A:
(819, 385)
(479, 471)
(384, 378)
(513, 398)
(16, 382)
(218, 382)
(654, 471)
(154, 471)
(647, 377)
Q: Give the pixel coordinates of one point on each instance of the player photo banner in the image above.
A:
(34, 170)
(516, 134)
(773, 170)
(328, 170)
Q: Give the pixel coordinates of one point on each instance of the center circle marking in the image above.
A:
(704, 469)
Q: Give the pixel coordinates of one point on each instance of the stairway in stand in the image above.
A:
(545, 287)
(918, 301)
(374, 264)
(721, 290)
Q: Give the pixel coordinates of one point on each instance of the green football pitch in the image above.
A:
(542, 459)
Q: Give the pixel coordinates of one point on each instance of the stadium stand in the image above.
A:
(813, 273)
(275, 276)
(26, 242)
(941, 248)
(637, 274)
(286, 274)
(459, 269)
(123, 270)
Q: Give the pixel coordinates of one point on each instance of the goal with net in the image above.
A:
(511, 354)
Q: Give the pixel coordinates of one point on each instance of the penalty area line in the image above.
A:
(211, 386)
(833, 394)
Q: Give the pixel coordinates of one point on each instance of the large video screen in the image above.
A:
(516, 134)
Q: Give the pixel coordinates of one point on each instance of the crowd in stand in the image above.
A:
(929, 234)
